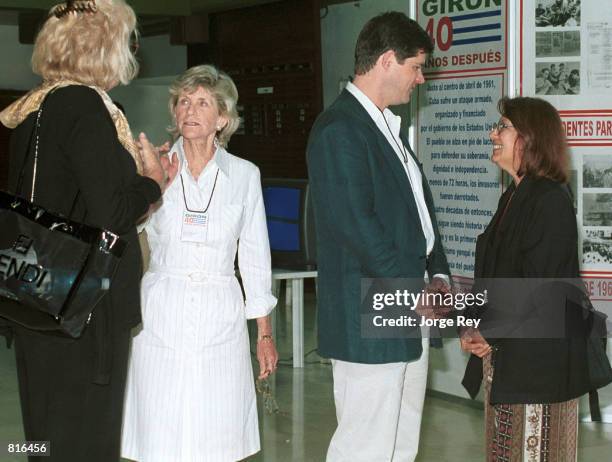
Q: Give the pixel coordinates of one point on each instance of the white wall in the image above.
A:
(15, 73)
(339, 30)
(158, 58)
(146, 105)
(145, 99)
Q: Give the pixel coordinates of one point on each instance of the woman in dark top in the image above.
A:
(72, 390)
(533, 373)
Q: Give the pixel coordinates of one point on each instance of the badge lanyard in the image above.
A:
(195, 222)
(401, 147)
(209, 199)
(404, 154)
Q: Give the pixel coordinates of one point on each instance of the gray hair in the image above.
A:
(221, 87)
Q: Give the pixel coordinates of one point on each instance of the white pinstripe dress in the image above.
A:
(190, 391)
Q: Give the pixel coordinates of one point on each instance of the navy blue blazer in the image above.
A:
(367, 226)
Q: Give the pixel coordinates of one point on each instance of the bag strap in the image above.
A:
(594, 406)
(35, 139)
(594, 396)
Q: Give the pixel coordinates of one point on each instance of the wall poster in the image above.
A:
(466, 76)
(566, 58)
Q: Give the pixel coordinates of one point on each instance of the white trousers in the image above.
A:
(379, 409)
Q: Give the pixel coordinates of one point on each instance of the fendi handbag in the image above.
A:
(53, 270)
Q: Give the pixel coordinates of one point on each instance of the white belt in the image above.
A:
(191, 275)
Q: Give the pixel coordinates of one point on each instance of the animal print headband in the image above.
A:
(74, 6)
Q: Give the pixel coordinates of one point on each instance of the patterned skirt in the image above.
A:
(529, 432)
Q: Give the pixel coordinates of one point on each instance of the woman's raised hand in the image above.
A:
(156, 163)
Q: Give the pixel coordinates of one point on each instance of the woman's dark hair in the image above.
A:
(389, 31)
(539, 128)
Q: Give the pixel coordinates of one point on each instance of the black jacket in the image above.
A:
(536, 237)
(79, 151)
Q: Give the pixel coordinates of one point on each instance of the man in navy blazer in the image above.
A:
(374, 218)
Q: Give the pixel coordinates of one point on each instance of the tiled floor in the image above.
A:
(452, 430)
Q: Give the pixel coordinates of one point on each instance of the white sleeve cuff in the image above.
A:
(260, 306)
(444, 277)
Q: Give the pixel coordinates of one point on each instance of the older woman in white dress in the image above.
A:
(190, 393)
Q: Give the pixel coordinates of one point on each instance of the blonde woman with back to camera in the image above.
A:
(72, 391)
(190, 393)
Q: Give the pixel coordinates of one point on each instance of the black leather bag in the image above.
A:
(53, 270)
(600, 371)
(595, 334)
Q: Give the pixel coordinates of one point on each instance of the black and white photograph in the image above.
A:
(557, 13)
(557, 43)
(557, 78)
(597, 248)
(597, 209)
(597, 171)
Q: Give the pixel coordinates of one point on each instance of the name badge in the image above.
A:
(195, 226)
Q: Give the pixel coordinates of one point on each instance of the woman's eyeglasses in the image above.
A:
(499, 126)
